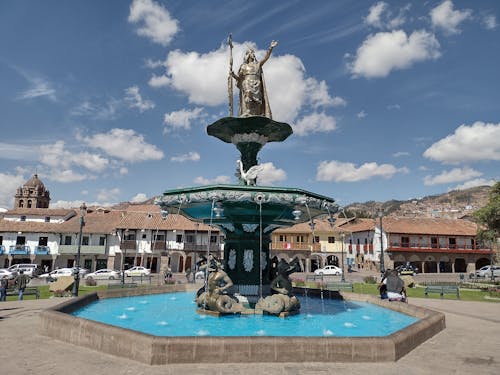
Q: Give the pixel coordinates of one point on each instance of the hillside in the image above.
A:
(453, 204)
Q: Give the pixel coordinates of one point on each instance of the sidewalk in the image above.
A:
(469, 345)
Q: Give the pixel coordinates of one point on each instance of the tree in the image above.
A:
(488, 218)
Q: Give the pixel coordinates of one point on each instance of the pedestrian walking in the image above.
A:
(21, 282)
(4, 284)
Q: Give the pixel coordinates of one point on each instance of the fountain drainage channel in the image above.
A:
(200, 346)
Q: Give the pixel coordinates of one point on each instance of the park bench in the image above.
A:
(27, 291)
(339, 285)
(314, 277)
(118, 286)
(142, 278)
(442, 290)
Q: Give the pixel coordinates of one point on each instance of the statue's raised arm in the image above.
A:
(269, 51)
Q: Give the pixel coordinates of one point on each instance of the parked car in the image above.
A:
(407, 270)
(27, 268)
(328, 270)
(103, 274)
(5, 272)
(137, 271)
(486, 271)
(53, 275)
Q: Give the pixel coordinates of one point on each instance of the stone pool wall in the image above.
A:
(154, 350)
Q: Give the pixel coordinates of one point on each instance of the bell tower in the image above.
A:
(32, 194)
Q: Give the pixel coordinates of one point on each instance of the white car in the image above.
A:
(328, 270)
(104, 274)
(53, 275)
(5, 272)
(137, 271)
(486, 271)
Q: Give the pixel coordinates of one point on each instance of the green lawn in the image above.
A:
(44, 292)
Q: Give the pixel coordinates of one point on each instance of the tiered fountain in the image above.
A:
(248, 213)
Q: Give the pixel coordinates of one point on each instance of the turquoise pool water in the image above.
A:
(174, 314)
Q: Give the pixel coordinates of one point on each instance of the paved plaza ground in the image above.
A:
(469, 345)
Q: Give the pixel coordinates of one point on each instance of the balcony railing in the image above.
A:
(296, 246)
(84, 249)
(128, 245)
(2, 249)
(42, 250)
(434, 246)
(19, 250)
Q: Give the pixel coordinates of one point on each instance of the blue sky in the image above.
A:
(108, 101)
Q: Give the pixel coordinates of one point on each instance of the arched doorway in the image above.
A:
(460, 265)
(444, 265)
(481, 262)
(430, 265)
(332, 260)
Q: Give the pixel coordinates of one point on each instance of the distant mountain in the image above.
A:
(453, 204)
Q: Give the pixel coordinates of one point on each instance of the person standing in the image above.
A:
(21, 282)
(4, 284)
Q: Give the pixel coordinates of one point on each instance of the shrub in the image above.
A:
(59, 293)
(299, 282)
(369, 280)
(89, 281)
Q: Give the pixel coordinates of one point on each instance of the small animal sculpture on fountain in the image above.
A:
(283, 301)
(250, 81)
(249, 177)
(217, 298)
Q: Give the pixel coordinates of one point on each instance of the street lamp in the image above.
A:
(76, 284)
(343, 240)
(124, 234)
(382, 267)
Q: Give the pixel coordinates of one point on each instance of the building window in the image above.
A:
(282, 238)
(43, 241)
(300, 239)
(20, 241)
(47, 219)
(160, 238)
(29, 203)
(405, 241)
(85, 240)
(102, 240)
(316, 239)
(452, 243)
(331, 239)
(178, 238)
(1, 240)
(434, 242)
(23, 218)
(213, 239)
(67, 240)
(144, 236)
(129, 236)
(21, 203)
(189, 238)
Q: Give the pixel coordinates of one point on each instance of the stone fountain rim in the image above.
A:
(57, 323)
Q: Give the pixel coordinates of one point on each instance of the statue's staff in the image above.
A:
(230, 78)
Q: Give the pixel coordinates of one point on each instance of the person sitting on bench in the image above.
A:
(392, 287)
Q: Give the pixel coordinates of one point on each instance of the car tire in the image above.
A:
(111, 277)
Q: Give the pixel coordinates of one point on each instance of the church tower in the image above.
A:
(32, 194)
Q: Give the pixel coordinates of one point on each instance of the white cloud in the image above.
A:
(66, 176)
(400, 153)
(214, 181)
(190, 156)
(314, 123)
(138, 198)
(15, 151)
(445, 17)
(348, 172)
(489, 21)
(270, 175)
(181, 119)
(453, 175)
(361, 114)
(203, 78)
(375, 14)
(135, 100)
(386, 51)
(57, 157)
(474, 183)
(107, 195)
(9, 184)
(157, 24)
(39, 88)
(123, 171)
(124, 144)
(478, 141)
(108, 110)
(68, 204)
(380, 16)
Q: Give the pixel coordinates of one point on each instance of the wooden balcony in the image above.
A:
(128, 245)
(276, 246)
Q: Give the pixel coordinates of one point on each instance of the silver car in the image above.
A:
(486, 271)
(103, 274)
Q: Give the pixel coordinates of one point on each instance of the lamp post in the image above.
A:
(382, 267)
(124, 253)
(343, 240)
(76, 284)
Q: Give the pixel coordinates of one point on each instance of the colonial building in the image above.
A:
(32, 194)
